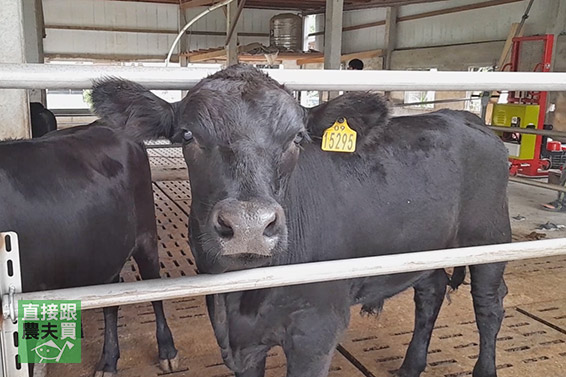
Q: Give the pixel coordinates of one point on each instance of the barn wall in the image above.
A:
(450, 41)
(364, 39)
(93, 13)
(160, 23)
(454, 41)
(480, 25)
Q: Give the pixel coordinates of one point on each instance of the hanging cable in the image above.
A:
(190, 23)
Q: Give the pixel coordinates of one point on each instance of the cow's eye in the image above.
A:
(299, 138)
(187, 136)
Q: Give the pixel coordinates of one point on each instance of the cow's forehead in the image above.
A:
(228, 114)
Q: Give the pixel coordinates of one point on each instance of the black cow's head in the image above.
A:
(241, 133)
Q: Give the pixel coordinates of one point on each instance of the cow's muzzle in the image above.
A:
(248, 229)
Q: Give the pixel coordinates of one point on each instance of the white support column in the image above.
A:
(14, 107)
(34, 33)
(232, 47)
(333, 36)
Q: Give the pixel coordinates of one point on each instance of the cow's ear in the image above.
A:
(127, 105)
(367, 113)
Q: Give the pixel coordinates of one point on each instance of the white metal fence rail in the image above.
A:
(270, 277)
(54, 76)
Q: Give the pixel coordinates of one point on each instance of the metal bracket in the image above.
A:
(10, 283)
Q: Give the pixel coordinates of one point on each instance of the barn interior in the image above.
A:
(446, 35)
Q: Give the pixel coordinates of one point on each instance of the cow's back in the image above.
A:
(410, 189)
(74, 198)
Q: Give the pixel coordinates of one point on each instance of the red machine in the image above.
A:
(529, 54)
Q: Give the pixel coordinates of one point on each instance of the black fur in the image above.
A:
(42, 120)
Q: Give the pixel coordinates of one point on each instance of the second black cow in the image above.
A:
(264, 195)
(81, 202)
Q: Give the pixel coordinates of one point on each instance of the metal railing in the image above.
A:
(55, 76)
(305, 273)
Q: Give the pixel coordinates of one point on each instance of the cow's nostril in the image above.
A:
(223, 227)
(271, 228)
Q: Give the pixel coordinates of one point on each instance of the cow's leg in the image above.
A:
(107, 366)
(257, 370)
(429, 294)
(310, 345)
(148, 264)
(310, 362)
(488, 291)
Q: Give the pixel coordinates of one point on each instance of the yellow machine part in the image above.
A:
(512, 115)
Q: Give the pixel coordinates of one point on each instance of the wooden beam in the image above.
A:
(232, 45)
(219, 53)
(390, 36)
(343, 58)
(184, 44)
(462, 8)
(120, 29)
(109, 57)
(234, 23)
(333, 39)
(513, 32)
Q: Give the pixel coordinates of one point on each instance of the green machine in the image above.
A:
(523, 149)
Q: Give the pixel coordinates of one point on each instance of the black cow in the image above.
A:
(42, 120)
(81, 202)
(264, 195)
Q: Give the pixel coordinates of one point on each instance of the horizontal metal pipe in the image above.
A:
(434, 102)
(55, 76)
(269, 277)
(529, 131)
(71, 112)
(530, 182)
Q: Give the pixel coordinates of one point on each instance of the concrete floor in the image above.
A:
(531, 343)
(526, 201)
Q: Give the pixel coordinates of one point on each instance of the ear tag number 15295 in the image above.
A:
(339, 138)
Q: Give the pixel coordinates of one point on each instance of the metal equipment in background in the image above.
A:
(526, 109)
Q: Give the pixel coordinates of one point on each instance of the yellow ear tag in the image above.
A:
(339, 138)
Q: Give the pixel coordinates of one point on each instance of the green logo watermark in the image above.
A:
(49, 331)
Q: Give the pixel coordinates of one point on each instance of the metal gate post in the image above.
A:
(10, 283)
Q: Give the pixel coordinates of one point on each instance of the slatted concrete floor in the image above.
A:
(532, 341)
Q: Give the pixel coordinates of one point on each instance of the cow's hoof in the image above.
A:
(170, 365)
(101, 373)
(406, 373)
